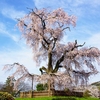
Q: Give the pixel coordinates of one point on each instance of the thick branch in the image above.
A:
(44, 46)
(56, 68)
(58, 64)
(43, 69)
(55, 39)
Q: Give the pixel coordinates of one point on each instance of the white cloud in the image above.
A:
(94, 40)
(75, 6)
(77, 3)
(65, 3)
(5, 31)
(52, 4)
(23, 56)
(12, 13)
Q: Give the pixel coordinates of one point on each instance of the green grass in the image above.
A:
(38, 98)
(50, 98)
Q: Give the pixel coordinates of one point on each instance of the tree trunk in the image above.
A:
(49, 87)
(50, 68)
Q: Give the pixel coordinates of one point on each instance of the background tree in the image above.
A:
(1, 85)
(44, 31)
(8, 87)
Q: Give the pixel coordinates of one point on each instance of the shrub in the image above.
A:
(86, 93)
(6, 96)
(67, 89)
(41, 87)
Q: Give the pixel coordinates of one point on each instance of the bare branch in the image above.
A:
(76, 46)
(66, 28)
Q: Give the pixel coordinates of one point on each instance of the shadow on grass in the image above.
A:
(60, 98)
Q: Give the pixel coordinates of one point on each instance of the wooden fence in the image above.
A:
(32, 94)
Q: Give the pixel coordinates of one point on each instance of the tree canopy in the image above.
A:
(44, 31)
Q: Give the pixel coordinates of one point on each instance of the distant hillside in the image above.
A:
(96, 83)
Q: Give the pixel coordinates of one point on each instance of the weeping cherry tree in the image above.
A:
(43, 31)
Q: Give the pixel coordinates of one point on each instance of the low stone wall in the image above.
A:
(49, 93)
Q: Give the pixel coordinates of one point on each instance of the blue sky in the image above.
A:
(13, 47)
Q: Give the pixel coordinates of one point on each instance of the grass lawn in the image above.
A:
(56, 98)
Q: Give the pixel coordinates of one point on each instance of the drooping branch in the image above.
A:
(20, 74)
(83, 76)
